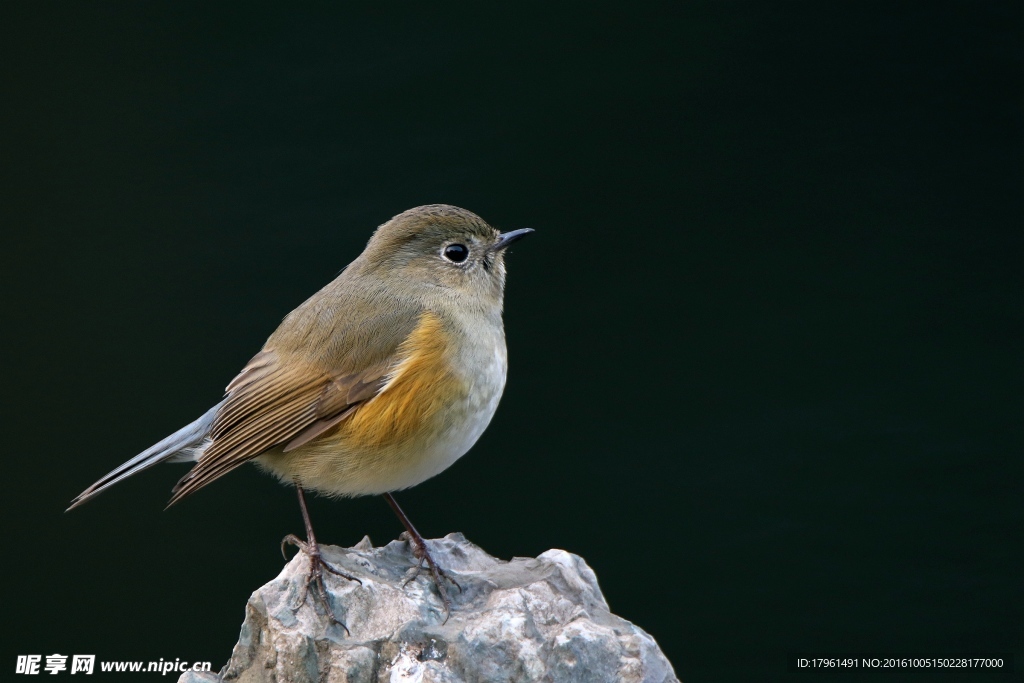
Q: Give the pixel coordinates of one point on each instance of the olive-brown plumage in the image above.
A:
(377, 382)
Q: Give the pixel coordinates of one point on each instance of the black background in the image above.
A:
(765, 346)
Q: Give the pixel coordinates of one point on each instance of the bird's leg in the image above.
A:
(421, 553)
(316, 563)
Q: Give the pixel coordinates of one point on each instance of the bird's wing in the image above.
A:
(277, 400)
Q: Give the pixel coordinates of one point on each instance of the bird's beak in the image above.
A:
(507, 238)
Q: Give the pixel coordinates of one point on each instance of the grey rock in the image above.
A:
(540, 619)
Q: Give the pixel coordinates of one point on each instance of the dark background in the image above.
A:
(765, 344)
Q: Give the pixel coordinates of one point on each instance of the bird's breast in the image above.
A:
(436, 402)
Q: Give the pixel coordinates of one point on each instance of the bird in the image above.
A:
(376, 383)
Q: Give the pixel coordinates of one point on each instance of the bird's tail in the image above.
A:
(178, 447)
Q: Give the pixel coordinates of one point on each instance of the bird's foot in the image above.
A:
(422, 554)
(317, 565)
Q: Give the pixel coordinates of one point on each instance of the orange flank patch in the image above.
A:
(419, 386)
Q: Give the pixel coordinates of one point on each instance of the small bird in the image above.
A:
(379, 381)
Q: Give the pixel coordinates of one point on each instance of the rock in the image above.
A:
(540, 619)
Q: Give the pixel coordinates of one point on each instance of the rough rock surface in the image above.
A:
(540, 619)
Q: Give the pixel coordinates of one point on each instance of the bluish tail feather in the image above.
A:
(174, 448)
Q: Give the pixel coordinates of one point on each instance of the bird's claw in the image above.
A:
(315, 577)
(422, 554)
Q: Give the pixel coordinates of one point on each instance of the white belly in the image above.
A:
(340, 466)
(465, 421)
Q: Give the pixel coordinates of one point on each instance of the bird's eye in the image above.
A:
(456, 253)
